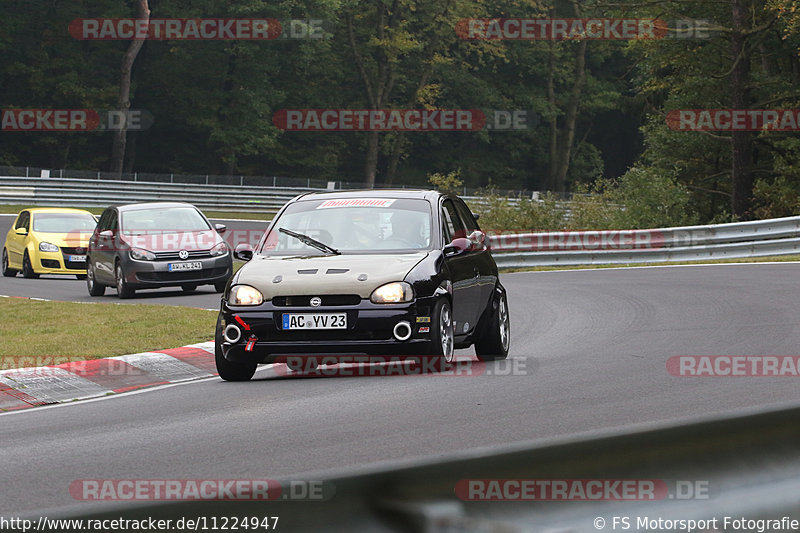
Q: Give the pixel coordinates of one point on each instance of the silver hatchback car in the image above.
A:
(151, 245)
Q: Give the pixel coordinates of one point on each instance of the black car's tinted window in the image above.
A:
(466, 215)
(452, 223)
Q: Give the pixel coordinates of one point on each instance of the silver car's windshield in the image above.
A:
(163, 220)
(352, 225)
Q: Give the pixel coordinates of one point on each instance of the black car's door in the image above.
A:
(481, 256)
(464, 271)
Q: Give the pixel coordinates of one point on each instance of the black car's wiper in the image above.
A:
(305, 239)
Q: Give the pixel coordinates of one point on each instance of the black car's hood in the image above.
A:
(330, 274)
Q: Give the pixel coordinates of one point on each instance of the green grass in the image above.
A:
(771, 258)
(238, 215)
(76, 331)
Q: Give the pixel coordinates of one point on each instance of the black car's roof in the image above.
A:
(425, 194)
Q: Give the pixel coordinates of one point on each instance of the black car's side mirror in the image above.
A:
(457, 247)
(243, 252)
(221, 228)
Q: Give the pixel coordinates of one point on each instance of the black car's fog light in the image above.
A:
(232, 333)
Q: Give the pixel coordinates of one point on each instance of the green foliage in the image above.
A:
(446, 182)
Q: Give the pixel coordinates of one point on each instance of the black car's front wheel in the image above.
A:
(231, 370)
(496, 335)
(442, 342)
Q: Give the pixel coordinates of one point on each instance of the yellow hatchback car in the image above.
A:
(48, 240)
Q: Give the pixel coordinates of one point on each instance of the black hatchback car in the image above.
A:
(400, 272)
(158, 244)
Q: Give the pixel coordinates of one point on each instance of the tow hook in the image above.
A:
(250, 343)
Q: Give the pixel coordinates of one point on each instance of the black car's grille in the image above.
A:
(183, 275)
(327, 300)
(173, 256)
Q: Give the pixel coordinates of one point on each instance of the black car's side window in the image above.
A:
(453, 226)
(24, 221)
(466, 216)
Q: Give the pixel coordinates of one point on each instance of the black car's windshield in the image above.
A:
(63, 222)
(163, 220)
(352, 225)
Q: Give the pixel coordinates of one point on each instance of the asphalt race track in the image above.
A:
(589, 352)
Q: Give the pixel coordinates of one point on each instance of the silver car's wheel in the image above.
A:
(123, 289)
(95, 289)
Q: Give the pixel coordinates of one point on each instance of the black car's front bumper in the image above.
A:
(369, 331)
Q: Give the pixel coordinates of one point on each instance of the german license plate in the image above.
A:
(314, 321)
(176, 267)
(77, 258)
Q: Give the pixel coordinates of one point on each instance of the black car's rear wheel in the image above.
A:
(7, 272)
(27, 267)
(231, 370)
(442, 342)
(495, 337)
(95, 289)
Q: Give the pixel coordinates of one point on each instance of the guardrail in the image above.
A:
(745, 466)
(779, 236)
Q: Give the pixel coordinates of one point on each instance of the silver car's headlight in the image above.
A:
(47, 247)
(245, 295)
(220, 249)
(142, 255)
(396, 292)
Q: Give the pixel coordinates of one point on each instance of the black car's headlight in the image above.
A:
(142, 255)
(396, 292)
(47, 247)
(220, 249)
(245, 295)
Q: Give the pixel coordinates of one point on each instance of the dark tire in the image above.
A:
(95, 289)
(80, 276)
(231, 370)
(442, 343)
(124, 291)
(495, 336)
(220, 286)
(27, 267)
(189, 288)
(7, 272)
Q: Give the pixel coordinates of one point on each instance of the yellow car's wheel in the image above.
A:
(27, 267)
(7, 272)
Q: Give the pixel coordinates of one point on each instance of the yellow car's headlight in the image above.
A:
(245, 295)
(47, 247)
(393, 293)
